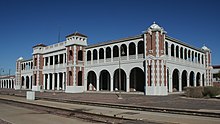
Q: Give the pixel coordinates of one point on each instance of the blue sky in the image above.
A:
(25, 23)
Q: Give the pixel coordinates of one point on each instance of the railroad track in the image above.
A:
(89, 117)
(131, 107)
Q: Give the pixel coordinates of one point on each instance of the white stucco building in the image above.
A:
(151, 62)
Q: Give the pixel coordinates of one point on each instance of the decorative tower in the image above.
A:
(208, 77)
(38, 62)
(155, 64)
(75, 48)
(17, 84)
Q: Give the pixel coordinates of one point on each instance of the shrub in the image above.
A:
(195, 92)
(211, 91)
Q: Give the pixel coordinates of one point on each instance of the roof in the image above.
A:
(76, 34)
(183, 43)
(114, 41)
(39, 45)
(216, 66)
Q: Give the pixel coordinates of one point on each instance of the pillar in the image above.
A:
(111, 84)
(48, 82)
(53, 81)
(128, 84)
(58, 81)
(180, 83)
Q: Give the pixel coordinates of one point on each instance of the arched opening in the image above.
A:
(91, 81)
(175, 80)
(191, 78)
(202, 60)
(104, 80)
(22, 81)
(137, 80)
(177, 51)
(189, 55)
(101, 53)
(27, 82)
(94, 54)
(184, 79)
(185, 54)
(70, 55)
(198, 79)
(132, 49)
(123, 50)
(198, 58)
(88, 55)
(116, 80)
(192, 56)
(181, 53)
(166, 48)
(70, 78)
(80, 55)
(141, 47)
(31, 82)
(172, 50)
(9, 84)
(80, 78)
(203, 80)
(108, 52)
(115, 51)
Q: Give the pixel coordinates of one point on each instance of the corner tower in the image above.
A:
(155, 65)
(208, 77)
(75, 49)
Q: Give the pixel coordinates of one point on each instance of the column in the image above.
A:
(48, 61)
(136, 51)
(53, 81)
(128, 84)
(44, 82)
(187, 81)
(104, 55)
(170, 83)
(169, 50)
(127, 52)
(29, 82)
(63, 59)
(48, 82)
(58, 81)
(97, 84)
(180, 83)
(111, 84)
(194, 80)
(64, 81)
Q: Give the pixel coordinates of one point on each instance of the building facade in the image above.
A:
(151, 62)
(7, 81)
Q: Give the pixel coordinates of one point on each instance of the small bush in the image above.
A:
(195, 92)
(211, 91)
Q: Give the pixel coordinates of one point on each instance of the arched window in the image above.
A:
(80, 78)
(132, 49)
(88, 55)
(181, 53)
(80, 55)
(166, 48)
(189, 54)
(123, 50)
(185, 54)
(192, 56)
(177, 51)
(202, 59)
(115, 51)
(101, 53)
(140, 47)
(108, 52)
(172, 50)
(70, 54)
(94, 54)
(199, 58)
